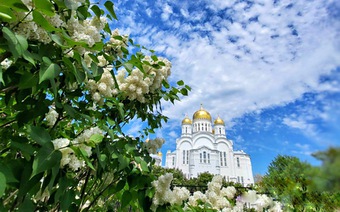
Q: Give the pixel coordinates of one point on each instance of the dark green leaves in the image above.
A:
(97, 11)
(45, 6)
(40, 20)
(109, 6)
(39, 135)
(126, 198)
(45, 159)
(7, 7)
(48, 71)
(2, 184)
(16, 43)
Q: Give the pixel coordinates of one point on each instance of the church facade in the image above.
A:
(204, 147)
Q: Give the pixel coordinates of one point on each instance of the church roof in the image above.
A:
(219, 121)
(202, 114)
(186, 120)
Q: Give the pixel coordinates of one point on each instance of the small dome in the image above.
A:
(202, 114)
(219, 121)
(160, 154)
(186, 120)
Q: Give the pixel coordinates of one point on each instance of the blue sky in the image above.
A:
(269, 68)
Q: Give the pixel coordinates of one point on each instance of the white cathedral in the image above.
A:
(204, 147)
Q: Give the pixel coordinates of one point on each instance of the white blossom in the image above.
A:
(153, 145)
(6, 63)
(51, 117)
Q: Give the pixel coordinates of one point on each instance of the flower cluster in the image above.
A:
(153, 145)
(137, 84)
(214, 195)
(165, 195)
(217, 197)
(26, 27)
(88, 30)
(51, 117)
(105, 87)
(259, 202)
(82, 142)
(117, 42)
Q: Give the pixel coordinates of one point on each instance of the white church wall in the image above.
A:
(203, 141)
(201, 150)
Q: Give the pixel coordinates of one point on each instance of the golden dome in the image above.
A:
(219, 121)
(160, 154)
(202, 114)
(186, 120)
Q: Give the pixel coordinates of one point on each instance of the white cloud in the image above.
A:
(273, 62)
(303, 149)
(167, 11)
(148, 12)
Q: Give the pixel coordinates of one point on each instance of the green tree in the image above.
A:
(328, 178)
(68, 84)
(290, 181)
(178, 176)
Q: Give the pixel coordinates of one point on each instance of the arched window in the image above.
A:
(238, 162)
(225, 158)
(221, 160)
(183, 156)
(204, 157)
(187, 156)
(208, 158)
(200, 157)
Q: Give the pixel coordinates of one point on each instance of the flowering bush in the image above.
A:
(68, 84)
(216, 198)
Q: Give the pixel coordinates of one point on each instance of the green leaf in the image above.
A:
(123, 162)
(45, 159)
(16, 5)
(39, 19)
(27, 205)
(66, 199)
(180, 83)
(28, 56)
(8, 170)
(24, 147)
(97, 11)
(39, 135)
(126, 198)
(128, 66)
(96, 138)
(57, 39)
(144, 166)
(14, 45)
(114, 155)
(120, 185)
(70, 110)
(121, 110)
(1, 76)
(45, 6)
(110, 7)
(50, 72)
(82, 153)
(6, 14)
(2, 183)
(166, 84)
(184, 92)
(28, 80)
(80, 76)
(154, 57)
